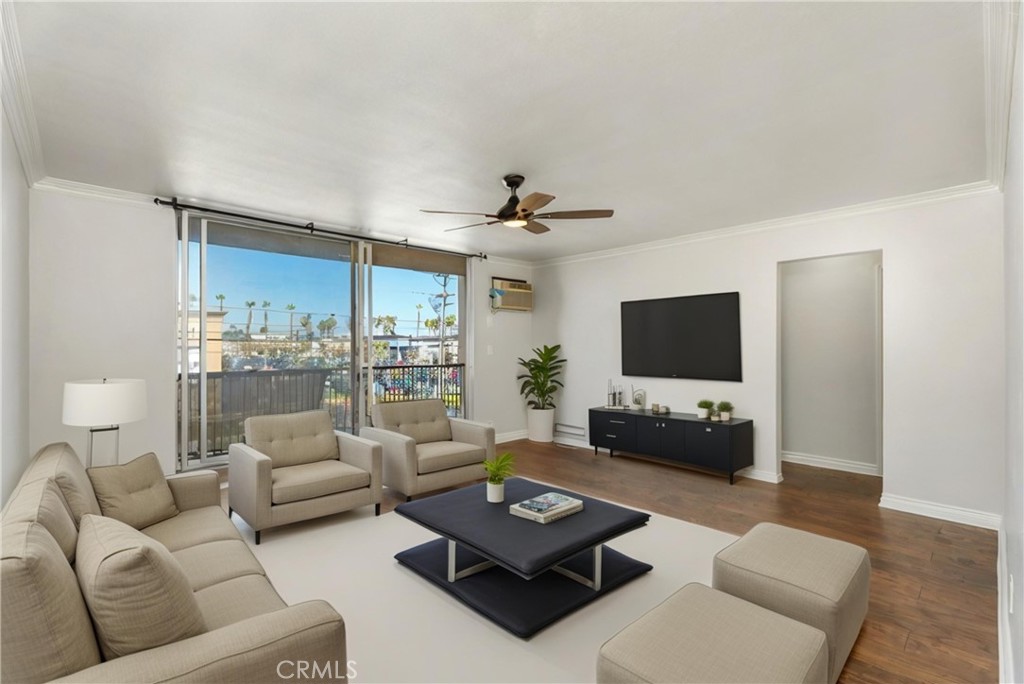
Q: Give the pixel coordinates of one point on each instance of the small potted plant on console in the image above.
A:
(497, 470)
(725, 411)
(704, 407)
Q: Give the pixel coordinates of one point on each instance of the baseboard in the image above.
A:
(762, 475)
(1006, 669)
(830, 463)
(964, 516)
(503, 437)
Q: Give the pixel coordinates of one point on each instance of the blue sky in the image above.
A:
(317, 286)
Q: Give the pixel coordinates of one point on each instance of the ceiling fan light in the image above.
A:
(515, 223)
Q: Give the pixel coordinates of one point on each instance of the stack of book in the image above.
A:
(546, 507)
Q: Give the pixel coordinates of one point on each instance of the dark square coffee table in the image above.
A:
(518, 573)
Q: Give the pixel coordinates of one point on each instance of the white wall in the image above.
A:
(830, 362)
(1012, 538)
(499, 339)
(102, 276)
(943, 333)
(14, 339)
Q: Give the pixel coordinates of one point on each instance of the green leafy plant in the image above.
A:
(706, 404)
(540, 381)
(499, 468)
(725, 407)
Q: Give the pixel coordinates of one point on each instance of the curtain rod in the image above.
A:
(176, 205)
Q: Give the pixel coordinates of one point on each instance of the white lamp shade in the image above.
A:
(104, 401)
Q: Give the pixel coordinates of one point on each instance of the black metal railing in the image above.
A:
(436, 381)
(233, 396)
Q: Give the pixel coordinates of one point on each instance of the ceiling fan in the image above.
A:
(521, 213)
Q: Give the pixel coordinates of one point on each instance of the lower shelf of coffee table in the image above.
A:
(520, 606)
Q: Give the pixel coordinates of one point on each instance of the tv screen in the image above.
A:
(683, 337)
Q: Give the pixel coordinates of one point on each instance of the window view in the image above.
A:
(277, 333)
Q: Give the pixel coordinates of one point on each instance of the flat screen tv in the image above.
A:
(694, 337)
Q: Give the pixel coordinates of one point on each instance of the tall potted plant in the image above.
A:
(539, 384)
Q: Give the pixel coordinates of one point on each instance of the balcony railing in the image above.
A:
(233, 396)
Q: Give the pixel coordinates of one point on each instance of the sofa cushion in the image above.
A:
(41, 501)
(135, 493)
(46, 632)
(436, 456)
(228, 602)
(60, 463)
(193, 527)
(137, 594)
(217, 561)
(293, 438)
(310, 480)
(425, 420)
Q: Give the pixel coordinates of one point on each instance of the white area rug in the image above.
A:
(403, 629)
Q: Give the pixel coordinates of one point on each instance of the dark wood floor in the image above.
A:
(932, 616)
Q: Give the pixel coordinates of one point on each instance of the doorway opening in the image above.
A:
(830, 362)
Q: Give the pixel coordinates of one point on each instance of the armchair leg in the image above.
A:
(408, 499)
(376, 509)
(230, 511)
(257, 537)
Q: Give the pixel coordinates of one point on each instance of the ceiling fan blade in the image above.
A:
(581, 214)
(534, 201)
(536, 228)
(462, 213)
(472, 225)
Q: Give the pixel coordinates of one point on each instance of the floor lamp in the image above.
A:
(103, 405)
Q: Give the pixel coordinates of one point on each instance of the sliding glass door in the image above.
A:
(271, 322)
(266, 320)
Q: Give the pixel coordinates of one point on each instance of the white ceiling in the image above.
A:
(681, 117)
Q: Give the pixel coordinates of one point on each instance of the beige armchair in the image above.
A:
(424, 449)
(296, 466)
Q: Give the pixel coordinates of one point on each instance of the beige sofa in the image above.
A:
(48, 634)
(424, 449)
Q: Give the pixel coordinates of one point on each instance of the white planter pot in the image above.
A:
(540, 425)
(495, 493)
(725, 416)
(702, 413)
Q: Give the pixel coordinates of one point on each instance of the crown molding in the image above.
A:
(51, 184)
(17, 99)
(1000, 23)
(928, 197)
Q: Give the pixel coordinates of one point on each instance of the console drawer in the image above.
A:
(612, 431)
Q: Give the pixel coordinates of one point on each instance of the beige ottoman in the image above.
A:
(819, 581)
(702, 635)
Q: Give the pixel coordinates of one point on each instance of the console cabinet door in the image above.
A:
(648, 435)
(708, 445)
(673, 441)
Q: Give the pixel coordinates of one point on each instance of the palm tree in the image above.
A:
(431, 324)
(291, 317)
(386, 324)
(306, 322)
(322, 327)
(248, 321)
(220, 298)
(266, 324)
(449, 321)
(332, 323)
(419, 308)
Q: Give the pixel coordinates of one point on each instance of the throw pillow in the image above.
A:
(136, 493)
(137, 593)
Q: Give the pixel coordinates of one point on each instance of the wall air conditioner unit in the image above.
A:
(515, 295)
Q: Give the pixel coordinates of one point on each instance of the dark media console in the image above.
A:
(676, 438)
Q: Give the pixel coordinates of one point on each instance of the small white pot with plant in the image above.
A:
(725, 411)
(539, 384)
(498, 469)
(704, 407)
